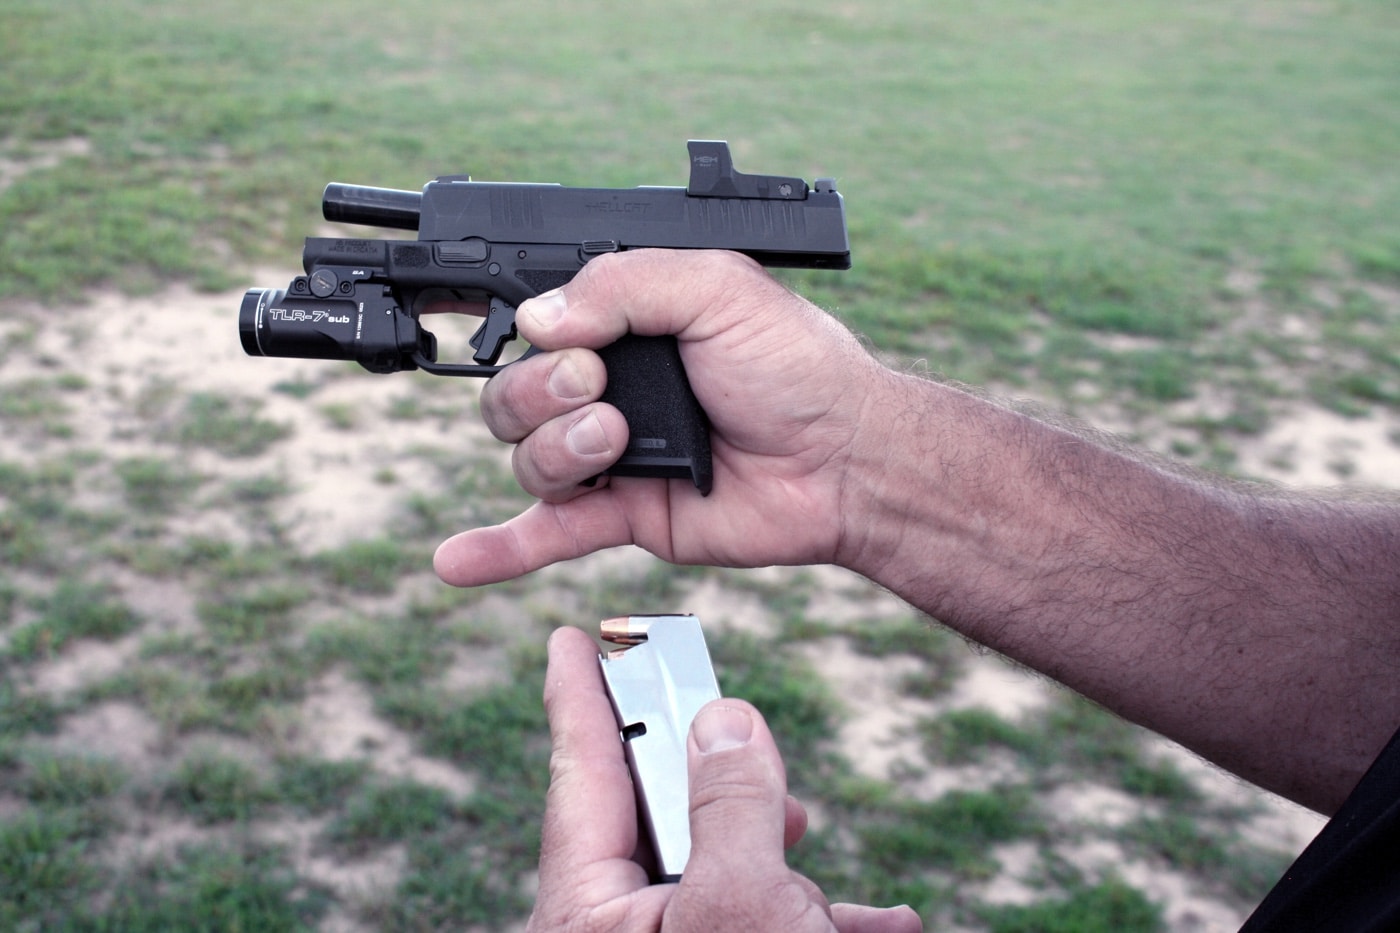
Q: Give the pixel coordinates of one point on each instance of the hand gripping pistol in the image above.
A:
(500, 243)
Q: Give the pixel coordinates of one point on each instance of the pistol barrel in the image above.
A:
(374, 207)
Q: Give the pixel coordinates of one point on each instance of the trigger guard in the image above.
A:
(468, 369)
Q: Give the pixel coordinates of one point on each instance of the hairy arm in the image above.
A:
(1259, 629)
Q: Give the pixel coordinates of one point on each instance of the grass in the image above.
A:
(256, 614)
(313, 785)
(382, 651)
(969, 823)
(1110, 905)
(369, 566)
(1082, 169)
(155, 485)
(68, 780)
(212, 888)
(73, 611)
(214, 788)
(1115, 209)
(41, 854)
(227, 425)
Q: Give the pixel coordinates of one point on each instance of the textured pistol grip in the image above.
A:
(669, 435)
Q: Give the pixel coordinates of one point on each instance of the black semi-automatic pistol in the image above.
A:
(500, 243)
(657, 682)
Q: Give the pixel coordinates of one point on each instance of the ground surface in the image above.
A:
(311, 461)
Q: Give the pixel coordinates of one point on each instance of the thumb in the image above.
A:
(649, 292)
(738, 792)
(737, 878)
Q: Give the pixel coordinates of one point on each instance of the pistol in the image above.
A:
(500, 243)
(657, 682)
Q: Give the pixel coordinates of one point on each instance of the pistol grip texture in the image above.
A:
(669, 433)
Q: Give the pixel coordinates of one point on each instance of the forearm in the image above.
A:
(1258, 631)
(1261, 632)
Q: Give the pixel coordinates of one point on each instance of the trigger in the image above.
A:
(490, 338)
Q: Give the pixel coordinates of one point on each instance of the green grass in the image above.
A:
(228, 425)
(1111, 207)
(42, 865)
(963, 735)
(1110, 906)
(313, 785)
(211, 888)
(35, 503)
(450, 882)
(969, 823)
(24, 713)
(391, 813)
(73, 611)
(369, 566)
(35, 404)
(212, 787)
(1191, 844)
(1012, 177)
(382, 651)
(154, 485)
(260, 612)
(67, 779)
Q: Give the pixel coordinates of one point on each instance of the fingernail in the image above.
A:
(566, 380)
(586, 437)
(720, 727)
(545, 310)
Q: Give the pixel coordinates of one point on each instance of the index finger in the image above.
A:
(590, 816)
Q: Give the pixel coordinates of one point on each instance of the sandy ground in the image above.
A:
(188, 341)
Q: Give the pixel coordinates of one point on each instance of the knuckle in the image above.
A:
(526, 395)
(764, 899)
(613, 276)
(531, 470)
(545, 468)
(726, 263)
(602, 274)
(502, 404)
(576, 376)
(721, 795)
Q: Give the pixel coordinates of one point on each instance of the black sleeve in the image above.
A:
(1348, 878)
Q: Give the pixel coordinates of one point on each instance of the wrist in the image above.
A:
(891, 476)
(938, 504)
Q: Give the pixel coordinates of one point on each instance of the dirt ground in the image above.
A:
(189, 340)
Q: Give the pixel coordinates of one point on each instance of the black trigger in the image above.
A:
(493, 334)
